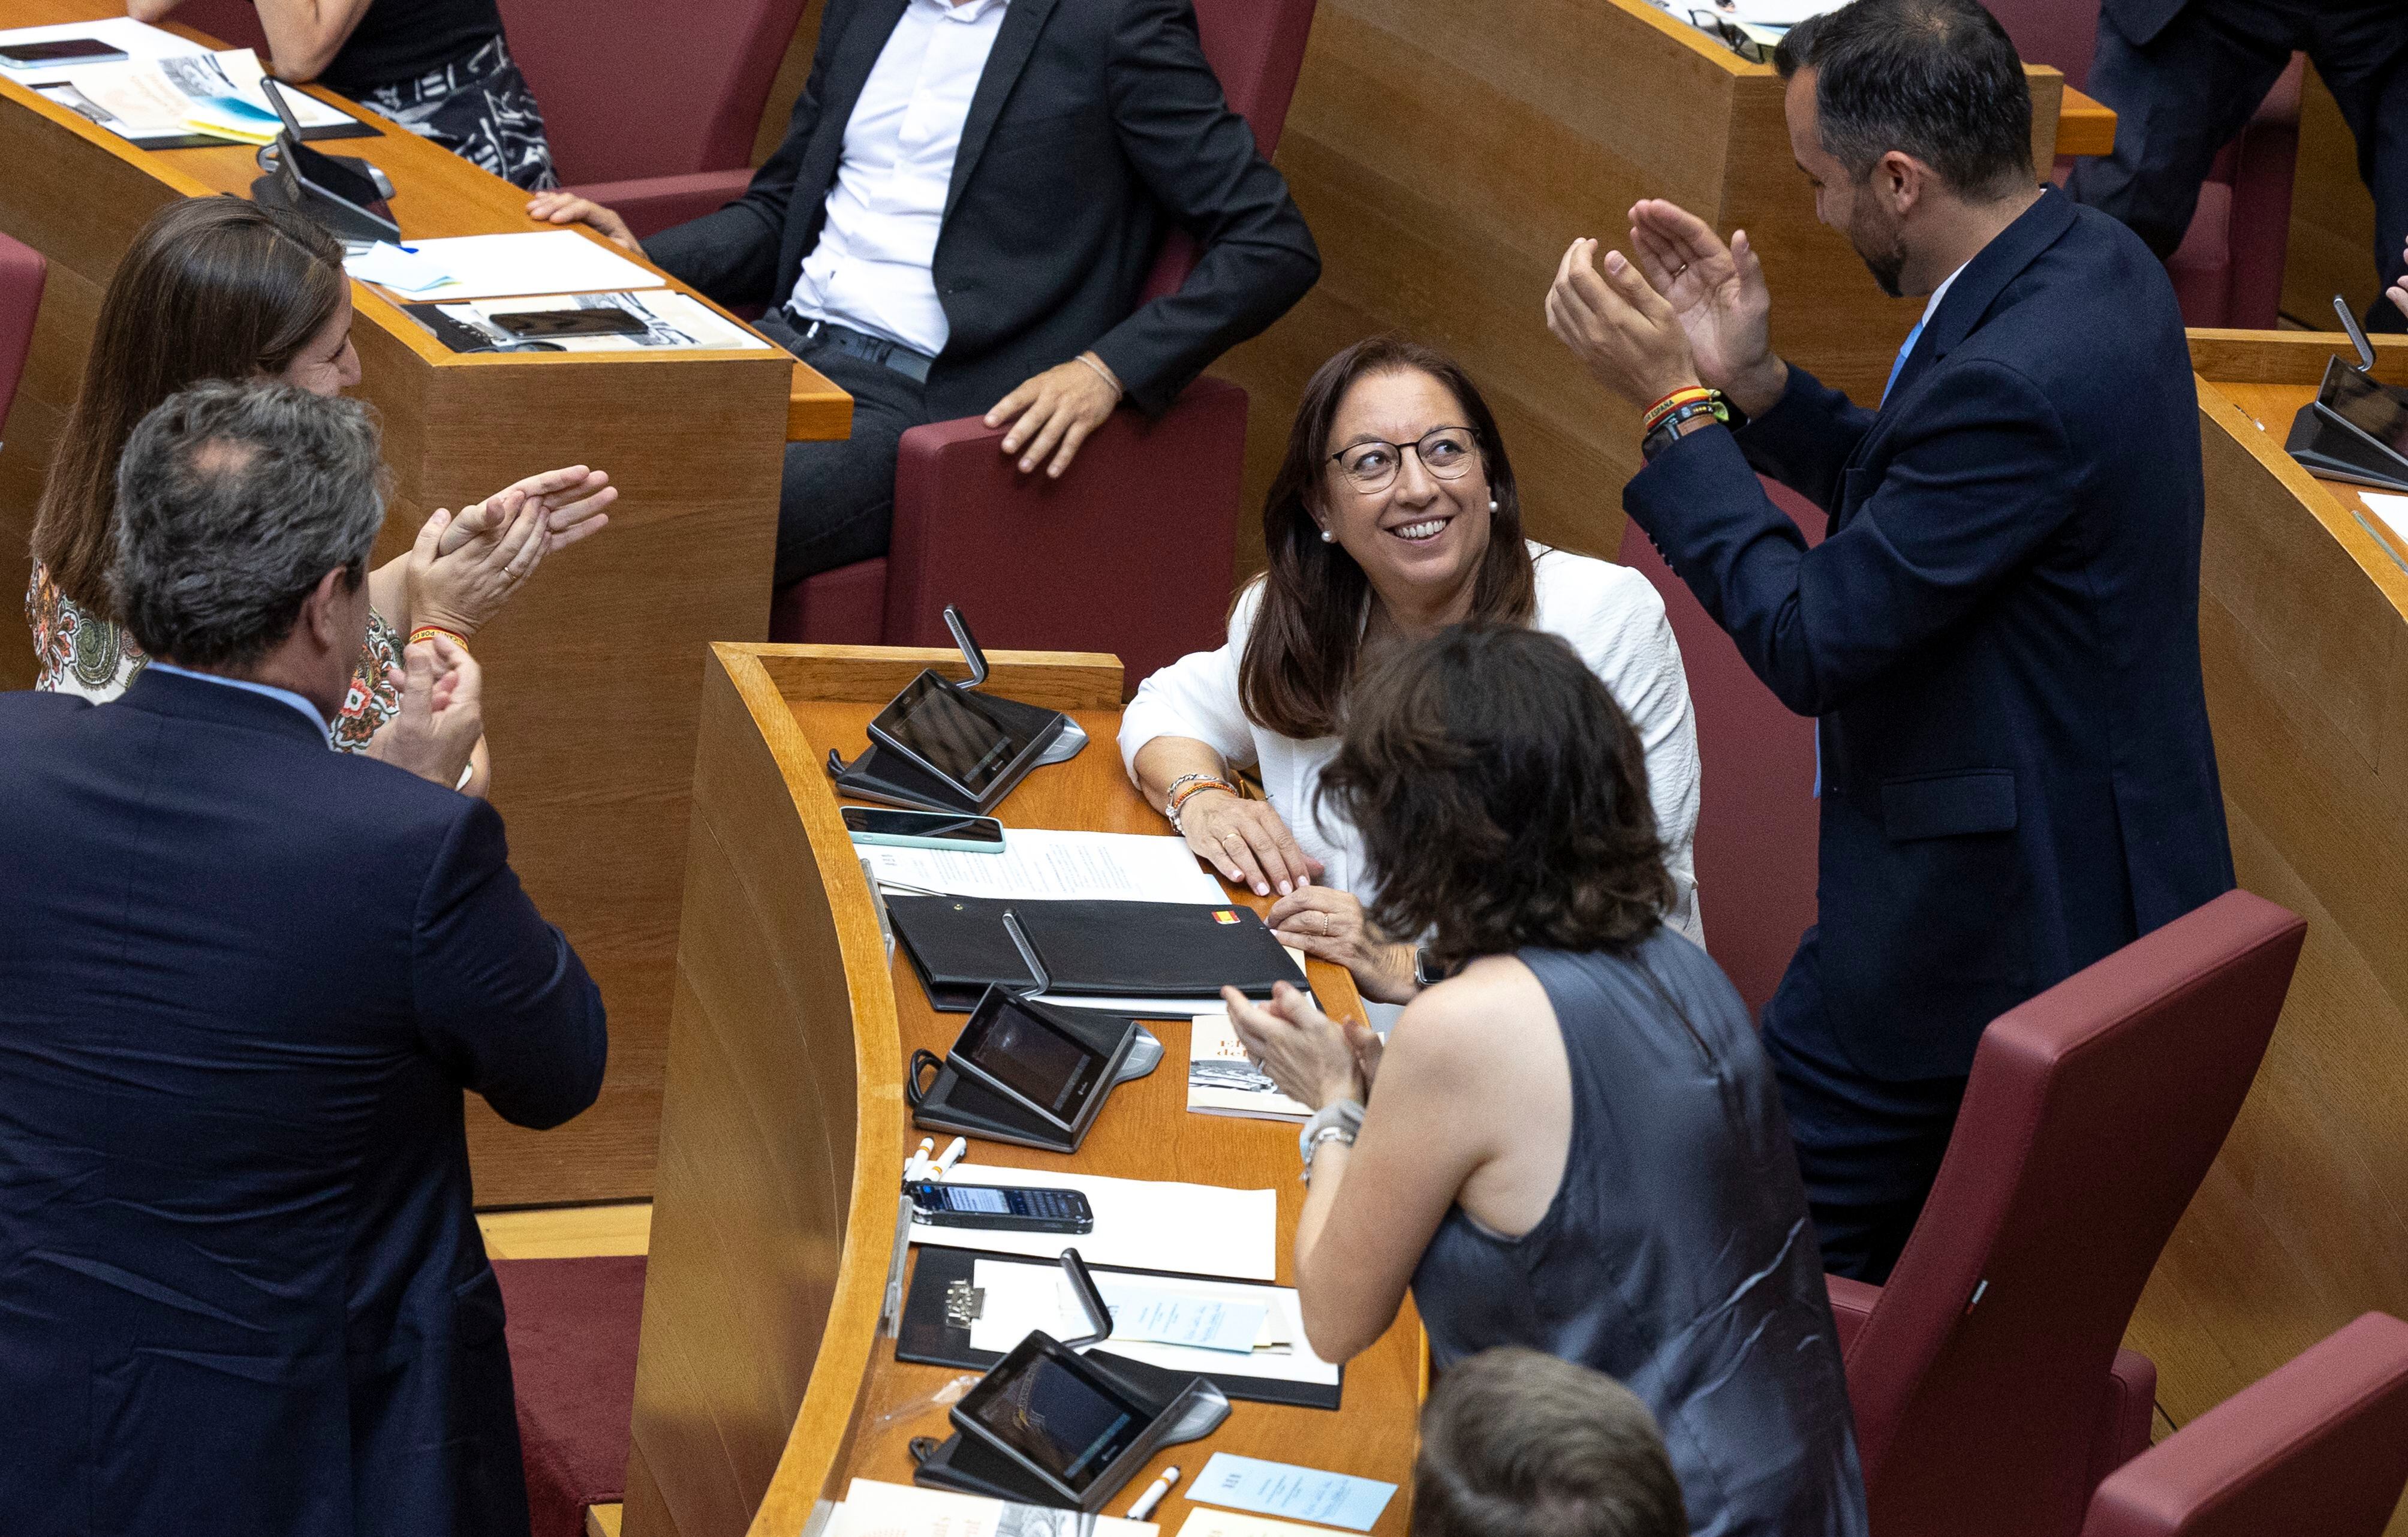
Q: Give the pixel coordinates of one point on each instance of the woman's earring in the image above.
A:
(1492, 504)
(1328, 537)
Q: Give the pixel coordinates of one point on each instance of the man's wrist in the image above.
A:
(1104, 371)
(1757, 389)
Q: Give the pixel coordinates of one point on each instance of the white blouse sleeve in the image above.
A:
(1615, 618)
(1197, 697)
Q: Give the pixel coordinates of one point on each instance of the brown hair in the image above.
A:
(1302, 653)
(1515, 1443)
(1502, 797)
(212, 287)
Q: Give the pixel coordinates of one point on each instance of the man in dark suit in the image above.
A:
(1999, 634)
(2184, 76)
(245, 982)
(960, 222)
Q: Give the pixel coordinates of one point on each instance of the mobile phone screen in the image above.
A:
(60, 50)
(328, 174)
(982, 831)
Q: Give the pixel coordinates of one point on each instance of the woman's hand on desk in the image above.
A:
(572, 497)
(1314, 1059)
(1246, 842)
(560, 208)
(1330, 925)
(462, 591)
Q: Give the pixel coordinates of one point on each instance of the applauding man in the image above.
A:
(1999, 634)
(960, 222)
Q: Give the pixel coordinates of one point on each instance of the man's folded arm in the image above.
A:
(1979, 482)
(1197, 159)
(502, 1000)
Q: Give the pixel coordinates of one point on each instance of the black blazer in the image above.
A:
(244, 981)
(1096, 127)
(2142, 20)
(2000, 635)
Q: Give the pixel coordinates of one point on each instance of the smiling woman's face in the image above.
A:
(1421, 537)
(327, 365)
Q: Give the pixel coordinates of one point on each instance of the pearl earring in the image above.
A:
(1492, 504)
(1328, 537)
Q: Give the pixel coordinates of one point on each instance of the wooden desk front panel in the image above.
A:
(592, 672)
(729, 1249)
(1445, 156)
(2303, 618)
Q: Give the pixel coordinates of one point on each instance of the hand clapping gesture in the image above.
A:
(572, 499)
(441, 718)
(1312, 1057)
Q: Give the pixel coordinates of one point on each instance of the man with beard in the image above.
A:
(1999, 635)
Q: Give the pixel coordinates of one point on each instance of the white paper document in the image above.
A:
(496, 266)
(389, 265)
(1204, 1521)
(168, 88)
(1019, 1298)
(1149, 1225)
(1042, 863)
(875, 1509)
(137, 39)
(1282, 1489)
(1222, 1082)
(2391, 510)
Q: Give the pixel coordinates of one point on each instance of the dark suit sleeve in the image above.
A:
(1807, 437)
(1198, 160)
(732, 255)
(1978, 478)
(502, 1000)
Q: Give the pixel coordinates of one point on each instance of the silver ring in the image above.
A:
(1231, 838)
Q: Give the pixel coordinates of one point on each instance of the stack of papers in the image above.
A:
(169, 90)
(492, 266)
(1222, 1082)
(1040, 863)
(874, 1509)
(1179, 1324)
(1140, 1225)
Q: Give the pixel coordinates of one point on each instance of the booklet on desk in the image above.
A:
(961, 946)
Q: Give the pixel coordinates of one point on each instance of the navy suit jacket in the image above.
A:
(1999, 634)
(243, 981)
(1096, 127)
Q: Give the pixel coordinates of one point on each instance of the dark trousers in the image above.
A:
(2182, 98)
(1868, 1146)
(836, 506)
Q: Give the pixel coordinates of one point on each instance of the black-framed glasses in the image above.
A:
(1447, 452)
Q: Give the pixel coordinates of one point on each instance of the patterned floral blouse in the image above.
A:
(80, 653)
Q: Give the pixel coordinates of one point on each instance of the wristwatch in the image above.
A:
(1426, 970)
(1337, 1121)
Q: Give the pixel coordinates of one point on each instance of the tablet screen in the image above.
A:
(1032, 1055)
(945, 728)
(2365, 405)
(1069, 1425)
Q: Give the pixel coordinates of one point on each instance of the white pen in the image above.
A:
(950, 1157)
(1152, 1495)
(916, 1169)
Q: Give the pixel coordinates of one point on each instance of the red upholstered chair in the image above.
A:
(22, 271)
(1130, 550)
(1757, 826)
(1991, 1398)
(572, 1327)
(2319, 1446)
(2228, 269)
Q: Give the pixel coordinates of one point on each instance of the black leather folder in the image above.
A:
(1094, 949)
(929, 1335)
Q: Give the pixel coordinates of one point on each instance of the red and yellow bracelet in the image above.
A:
(429, 632)
(1658, 413)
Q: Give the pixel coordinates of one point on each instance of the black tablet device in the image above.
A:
(949, 732)
(1016, 1049)
(1076, 1431)
(2380, 414)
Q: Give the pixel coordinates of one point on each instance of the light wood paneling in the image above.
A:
(2301, 1224)
(568, 1232)
(592, 671)
(760, 1384)
(2331, 249)
(1444, 160)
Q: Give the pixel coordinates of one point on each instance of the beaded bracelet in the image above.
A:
(1187, 788)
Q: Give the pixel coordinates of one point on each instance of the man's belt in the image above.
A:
(861, 344)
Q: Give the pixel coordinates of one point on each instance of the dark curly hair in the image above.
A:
(1502, 797)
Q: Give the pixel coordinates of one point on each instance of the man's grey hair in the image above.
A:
(233, 502)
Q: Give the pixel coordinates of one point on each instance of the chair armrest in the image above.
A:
(654, 203)
(1852, 1303)
(1130, 551)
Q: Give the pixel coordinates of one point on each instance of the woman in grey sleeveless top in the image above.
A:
(1574, 1142)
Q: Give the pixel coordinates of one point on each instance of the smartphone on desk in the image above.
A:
(924, 829)
(1013, 1209)
(58, 53)
(603, 320)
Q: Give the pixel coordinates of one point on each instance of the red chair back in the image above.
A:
(1757, 837)
(2060, 34)
(2093, 1113)
(2319, 1446)
(23, 270)
(640, 88)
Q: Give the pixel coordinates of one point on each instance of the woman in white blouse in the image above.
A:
(1394, 516)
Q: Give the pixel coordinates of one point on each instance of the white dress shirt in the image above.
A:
(871, 269)
(1613, 618)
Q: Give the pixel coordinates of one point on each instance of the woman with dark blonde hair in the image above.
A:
(1574, 1142)
(1395, 514)
(222, 288)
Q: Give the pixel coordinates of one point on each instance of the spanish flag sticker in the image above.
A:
(1224, 916)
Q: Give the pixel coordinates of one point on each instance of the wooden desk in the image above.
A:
(1445, 156)
(2304, 630)
(592, 671)
(784, 1129)
(2085, 126)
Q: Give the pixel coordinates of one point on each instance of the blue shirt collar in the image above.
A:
(270, 690)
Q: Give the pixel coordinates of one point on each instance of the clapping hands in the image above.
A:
(1689, 310)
